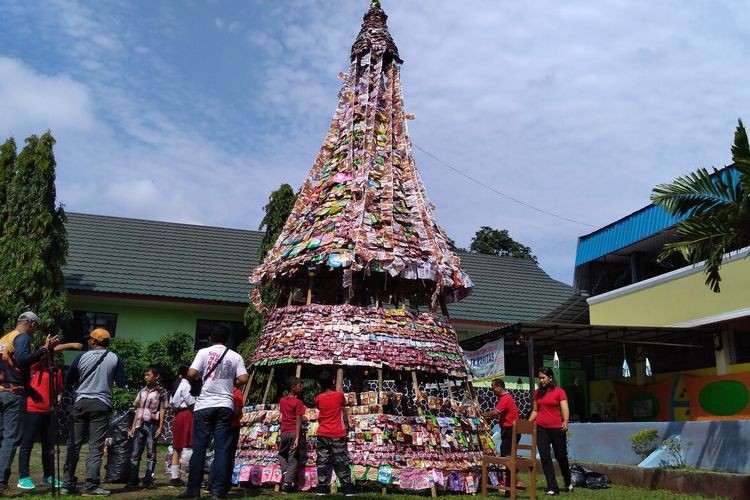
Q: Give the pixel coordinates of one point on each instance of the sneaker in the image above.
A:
(148, 484)
(286, 489)
(25, 483)
(132, 486)
(52, 482)
(349, 491)
(67, 490)
(95, 492)
(322, 490)
(176, 483)
(551, 493)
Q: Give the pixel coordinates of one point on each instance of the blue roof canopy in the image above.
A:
(631, 229)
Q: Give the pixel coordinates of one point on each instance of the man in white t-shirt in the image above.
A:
(214, 410)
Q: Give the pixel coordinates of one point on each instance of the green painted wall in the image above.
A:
(146, 320)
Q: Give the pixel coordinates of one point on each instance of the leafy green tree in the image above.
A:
(7, 170)
(131, 352)
(718, 208)
(277, 210)
(169, 352)
(498, 242)
(33, 244)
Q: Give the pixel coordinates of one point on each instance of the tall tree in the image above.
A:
(7, 170)
(34, 244)
(498, 242)
(718, 208)
(277, 210)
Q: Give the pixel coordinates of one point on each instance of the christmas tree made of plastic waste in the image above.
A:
(363, 274)
(362, 267)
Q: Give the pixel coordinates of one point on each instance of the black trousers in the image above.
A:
(555, 437)
(506, 440)
(33, 424)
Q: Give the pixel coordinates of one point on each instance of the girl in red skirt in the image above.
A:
(182, 425)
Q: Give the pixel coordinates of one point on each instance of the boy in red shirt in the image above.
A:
(292, 440)
(331, 443)
(506, 413)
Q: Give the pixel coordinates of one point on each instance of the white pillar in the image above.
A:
(723, 355)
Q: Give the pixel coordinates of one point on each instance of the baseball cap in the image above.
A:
(29, 316)
(100, 334)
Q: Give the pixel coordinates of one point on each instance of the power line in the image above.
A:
(516, 200)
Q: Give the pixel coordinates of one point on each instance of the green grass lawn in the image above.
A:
(616, 492)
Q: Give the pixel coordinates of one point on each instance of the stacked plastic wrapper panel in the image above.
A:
(408, 452)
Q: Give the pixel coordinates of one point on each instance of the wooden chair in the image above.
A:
(513, 462)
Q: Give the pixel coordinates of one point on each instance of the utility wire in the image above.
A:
(516, 200)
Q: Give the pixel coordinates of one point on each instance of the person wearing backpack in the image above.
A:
(217, 369)
(95, 372)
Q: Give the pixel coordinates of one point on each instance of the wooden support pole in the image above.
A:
(249, 384)
(415, 383)
(310, 279)
(340, 379)
(380, 383)
(416, 392)
(450, 390)
(268, 384)
(298, 373)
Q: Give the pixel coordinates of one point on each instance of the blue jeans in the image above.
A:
(12, 409)
(208, 423)
(144, 437)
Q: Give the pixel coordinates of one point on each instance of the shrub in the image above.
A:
(644, 442)
(131, 352)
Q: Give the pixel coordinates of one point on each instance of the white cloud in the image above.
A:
(578, 108)
(33, 102)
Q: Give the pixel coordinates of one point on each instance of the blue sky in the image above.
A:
(194, 111)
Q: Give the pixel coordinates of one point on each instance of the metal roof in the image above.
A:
(635, 227)
(164, 259)
(626, 231)
(578, 340)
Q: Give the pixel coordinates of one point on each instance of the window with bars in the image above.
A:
(85, 321)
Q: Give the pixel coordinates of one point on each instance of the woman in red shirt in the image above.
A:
(551, 414)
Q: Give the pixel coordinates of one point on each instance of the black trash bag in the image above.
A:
(578, 476)
(120, 447)
(597, 480)
(583, 477)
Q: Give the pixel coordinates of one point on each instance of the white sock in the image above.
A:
(175, 469)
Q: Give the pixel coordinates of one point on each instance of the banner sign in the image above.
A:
(487, 362)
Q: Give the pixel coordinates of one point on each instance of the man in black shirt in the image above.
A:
(16, 358)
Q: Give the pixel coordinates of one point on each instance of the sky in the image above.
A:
(194, 111)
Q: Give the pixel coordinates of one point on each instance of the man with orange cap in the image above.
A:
(95, 371)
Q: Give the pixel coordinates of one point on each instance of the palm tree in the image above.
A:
(717, 207)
